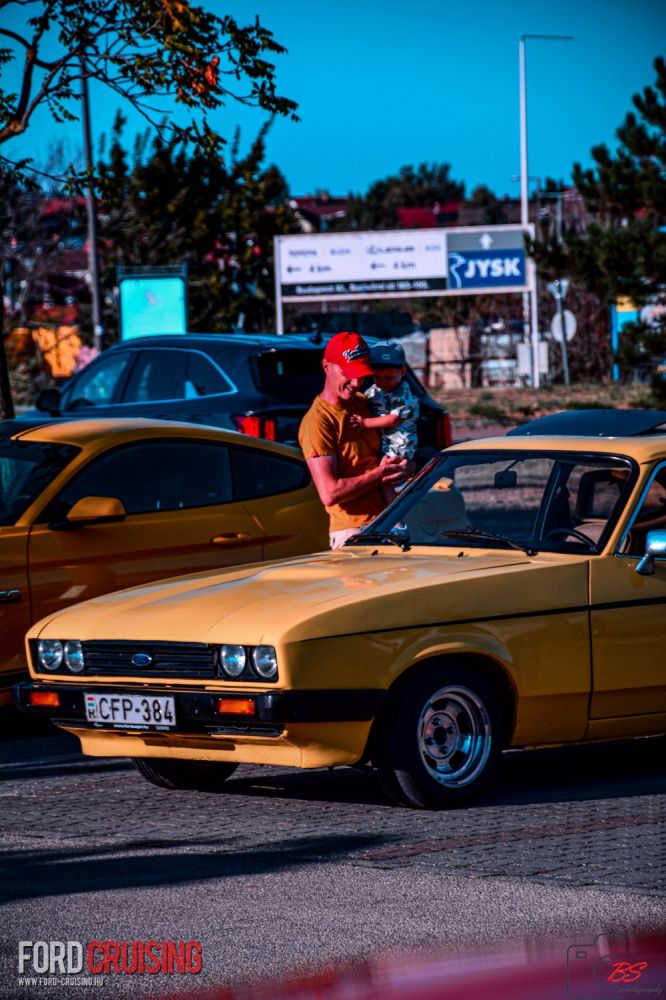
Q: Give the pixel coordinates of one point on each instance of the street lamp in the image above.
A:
(529, 309)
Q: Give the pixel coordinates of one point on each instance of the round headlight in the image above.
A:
(232, 660)
(264, 662)
(49, 653)
(74, 656)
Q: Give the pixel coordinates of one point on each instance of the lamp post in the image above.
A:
(91, 208)
(530, 315)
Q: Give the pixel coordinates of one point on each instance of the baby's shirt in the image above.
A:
(400, 440)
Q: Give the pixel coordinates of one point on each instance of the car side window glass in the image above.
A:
(152, 476)
(259, 474)
(158, 375)
(203, 378)
(650, 515)
(99, 384)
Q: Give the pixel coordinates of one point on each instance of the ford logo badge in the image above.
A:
(142, 660)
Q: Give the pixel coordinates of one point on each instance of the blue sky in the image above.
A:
(383, 84)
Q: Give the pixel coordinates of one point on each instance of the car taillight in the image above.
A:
(443, 434)
(258, 427)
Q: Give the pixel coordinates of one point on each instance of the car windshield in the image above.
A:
(534, 501)
(26, 468)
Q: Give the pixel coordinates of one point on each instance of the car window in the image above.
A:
(157, 375)
(152, 476)
(99, 383)
(650, 515)
(543, 501)
(259, 474)
(290, 374)
(26, 468)
(203, 378)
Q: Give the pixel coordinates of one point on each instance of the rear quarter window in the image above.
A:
(259, 474)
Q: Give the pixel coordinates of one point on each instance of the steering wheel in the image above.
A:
(564, 532)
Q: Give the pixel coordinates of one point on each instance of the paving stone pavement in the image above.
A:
(583, 817)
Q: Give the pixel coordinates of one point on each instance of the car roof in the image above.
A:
(115, 430)
(596, 422)
(642, 449)
(246, 340)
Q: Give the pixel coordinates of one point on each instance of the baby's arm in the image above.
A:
(372, 423)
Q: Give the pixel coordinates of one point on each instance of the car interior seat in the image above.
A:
(596, 498)
(441, 509)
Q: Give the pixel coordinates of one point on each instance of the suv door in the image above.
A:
(99, 386)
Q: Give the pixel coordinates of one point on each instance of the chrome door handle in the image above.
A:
(231, 538)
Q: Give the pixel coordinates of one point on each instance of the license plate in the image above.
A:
(131, 711)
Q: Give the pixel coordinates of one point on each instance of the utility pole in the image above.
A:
(91, 209)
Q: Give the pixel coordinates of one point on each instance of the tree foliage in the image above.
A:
(425, 186)
(623, 251)
(149, 52)
(167, 204)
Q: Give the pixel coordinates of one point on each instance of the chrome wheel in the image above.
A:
(441, 737)
(454, 736)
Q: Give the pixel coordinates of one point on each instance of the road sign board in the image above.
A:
(399, 263)
(569, 325)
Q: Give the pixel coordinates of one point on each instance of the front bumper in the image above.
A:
(196, 711)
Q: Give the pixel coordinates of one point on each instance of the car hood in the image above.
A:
(326, 594)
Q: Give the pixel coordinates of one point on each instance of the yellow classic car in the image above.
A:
(91, 506)
(512, 595)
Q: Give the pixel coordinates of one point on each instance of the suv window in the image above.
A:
(290, 374)
(203, 378)
(157, 375)
(99, 383)
(257, 474)
(152, 476)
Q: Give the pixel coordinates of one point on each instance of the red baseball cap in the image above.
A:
(351, 353)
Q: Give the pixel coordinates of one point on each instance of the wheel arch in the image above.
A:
(479, 664)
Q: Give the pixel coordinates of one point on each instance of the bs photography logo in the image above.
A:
(79, 963)
(605, 968)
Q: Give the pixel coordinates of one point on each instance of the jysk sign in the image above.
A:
(487, 259)
(400, 263)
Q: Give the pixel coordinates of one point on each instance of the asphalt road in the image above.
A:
(286, 870)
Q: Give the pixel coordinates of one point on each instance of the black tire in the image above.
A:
(195, 775)
(441, 740)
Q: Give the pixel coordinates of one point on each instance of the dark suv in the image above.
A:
(258, 384)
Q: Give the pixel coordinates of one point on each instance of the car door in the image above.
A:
(14, 605)
(180, 519)
(628, 621)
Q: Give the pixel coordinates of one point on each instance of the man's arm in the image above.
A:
(334, 489)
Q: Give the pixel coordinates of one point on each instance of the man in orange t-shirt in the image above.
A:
(346, 466)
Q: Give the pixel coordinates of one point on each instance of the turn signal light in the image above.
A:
(236, 706)
(45, 698)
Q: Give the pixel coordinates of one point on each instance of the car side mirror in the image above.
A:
(92, 510)
(48, 401)
(655, 548)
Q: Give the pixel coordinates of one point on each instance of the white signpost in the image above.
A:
(402, 263)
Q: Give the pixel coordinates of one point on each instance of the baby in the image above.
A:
(394, 406)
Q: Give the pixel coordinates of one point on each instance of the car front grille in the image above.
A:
(168, 659)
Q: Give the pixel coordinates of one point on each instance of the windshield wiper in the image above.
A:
(491, 536)
(379, 537)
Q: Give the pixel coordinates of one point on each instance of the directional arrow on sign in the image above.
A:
(486, 241)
